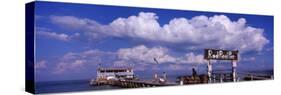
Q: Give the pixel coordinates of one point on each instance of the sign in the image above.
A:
(220, 54)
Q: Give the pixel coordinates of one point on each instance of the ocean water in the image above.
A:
(69, 86)
(83, 85)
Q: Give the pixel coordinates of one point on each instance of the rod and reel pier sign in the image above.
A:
(217, 54)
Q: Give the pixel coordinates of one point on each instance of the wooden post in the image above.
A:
(210, 71)
(234, 72)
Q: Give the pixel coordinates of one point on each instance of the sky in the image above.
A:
(73, 40)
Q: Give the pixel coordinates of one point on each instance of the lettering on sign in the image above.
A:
(220, 54)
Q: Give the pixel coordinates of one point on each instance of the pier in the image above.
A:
(139, 84)
(125, 77)
(251, 76)
(131, 83)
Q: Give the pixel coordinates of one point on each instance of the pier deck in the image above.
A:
(138, 83)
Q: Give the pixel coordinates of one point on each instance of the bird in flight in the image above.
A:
(156, 60)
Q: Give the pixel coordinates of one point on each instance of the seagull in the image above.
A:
(156, 60)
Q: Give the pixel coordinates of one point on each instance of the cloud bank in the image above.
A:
(143, 54)
(138, 56)
(57, 36)
(199, 32)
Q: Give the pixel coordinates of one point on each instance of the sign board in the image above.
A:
(220, 54)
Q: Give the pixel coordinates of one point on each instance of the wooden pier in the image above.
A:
(200, 79)
(136, 83)
(251, 76)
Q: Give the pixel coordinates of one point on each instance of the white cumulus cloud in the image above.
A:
(57, 36)
(217, 31)
(140, 55)
(75, 61)
(143, 54)
(192, 58)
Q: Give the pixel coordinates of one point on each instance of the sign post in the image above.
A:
(216, 54)
(209, 71)
(234, 73)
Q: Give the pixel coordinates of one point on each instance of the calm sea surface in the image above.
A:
(83, 85)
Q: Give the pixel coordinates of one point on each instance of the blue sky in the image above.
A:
(73, 39)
